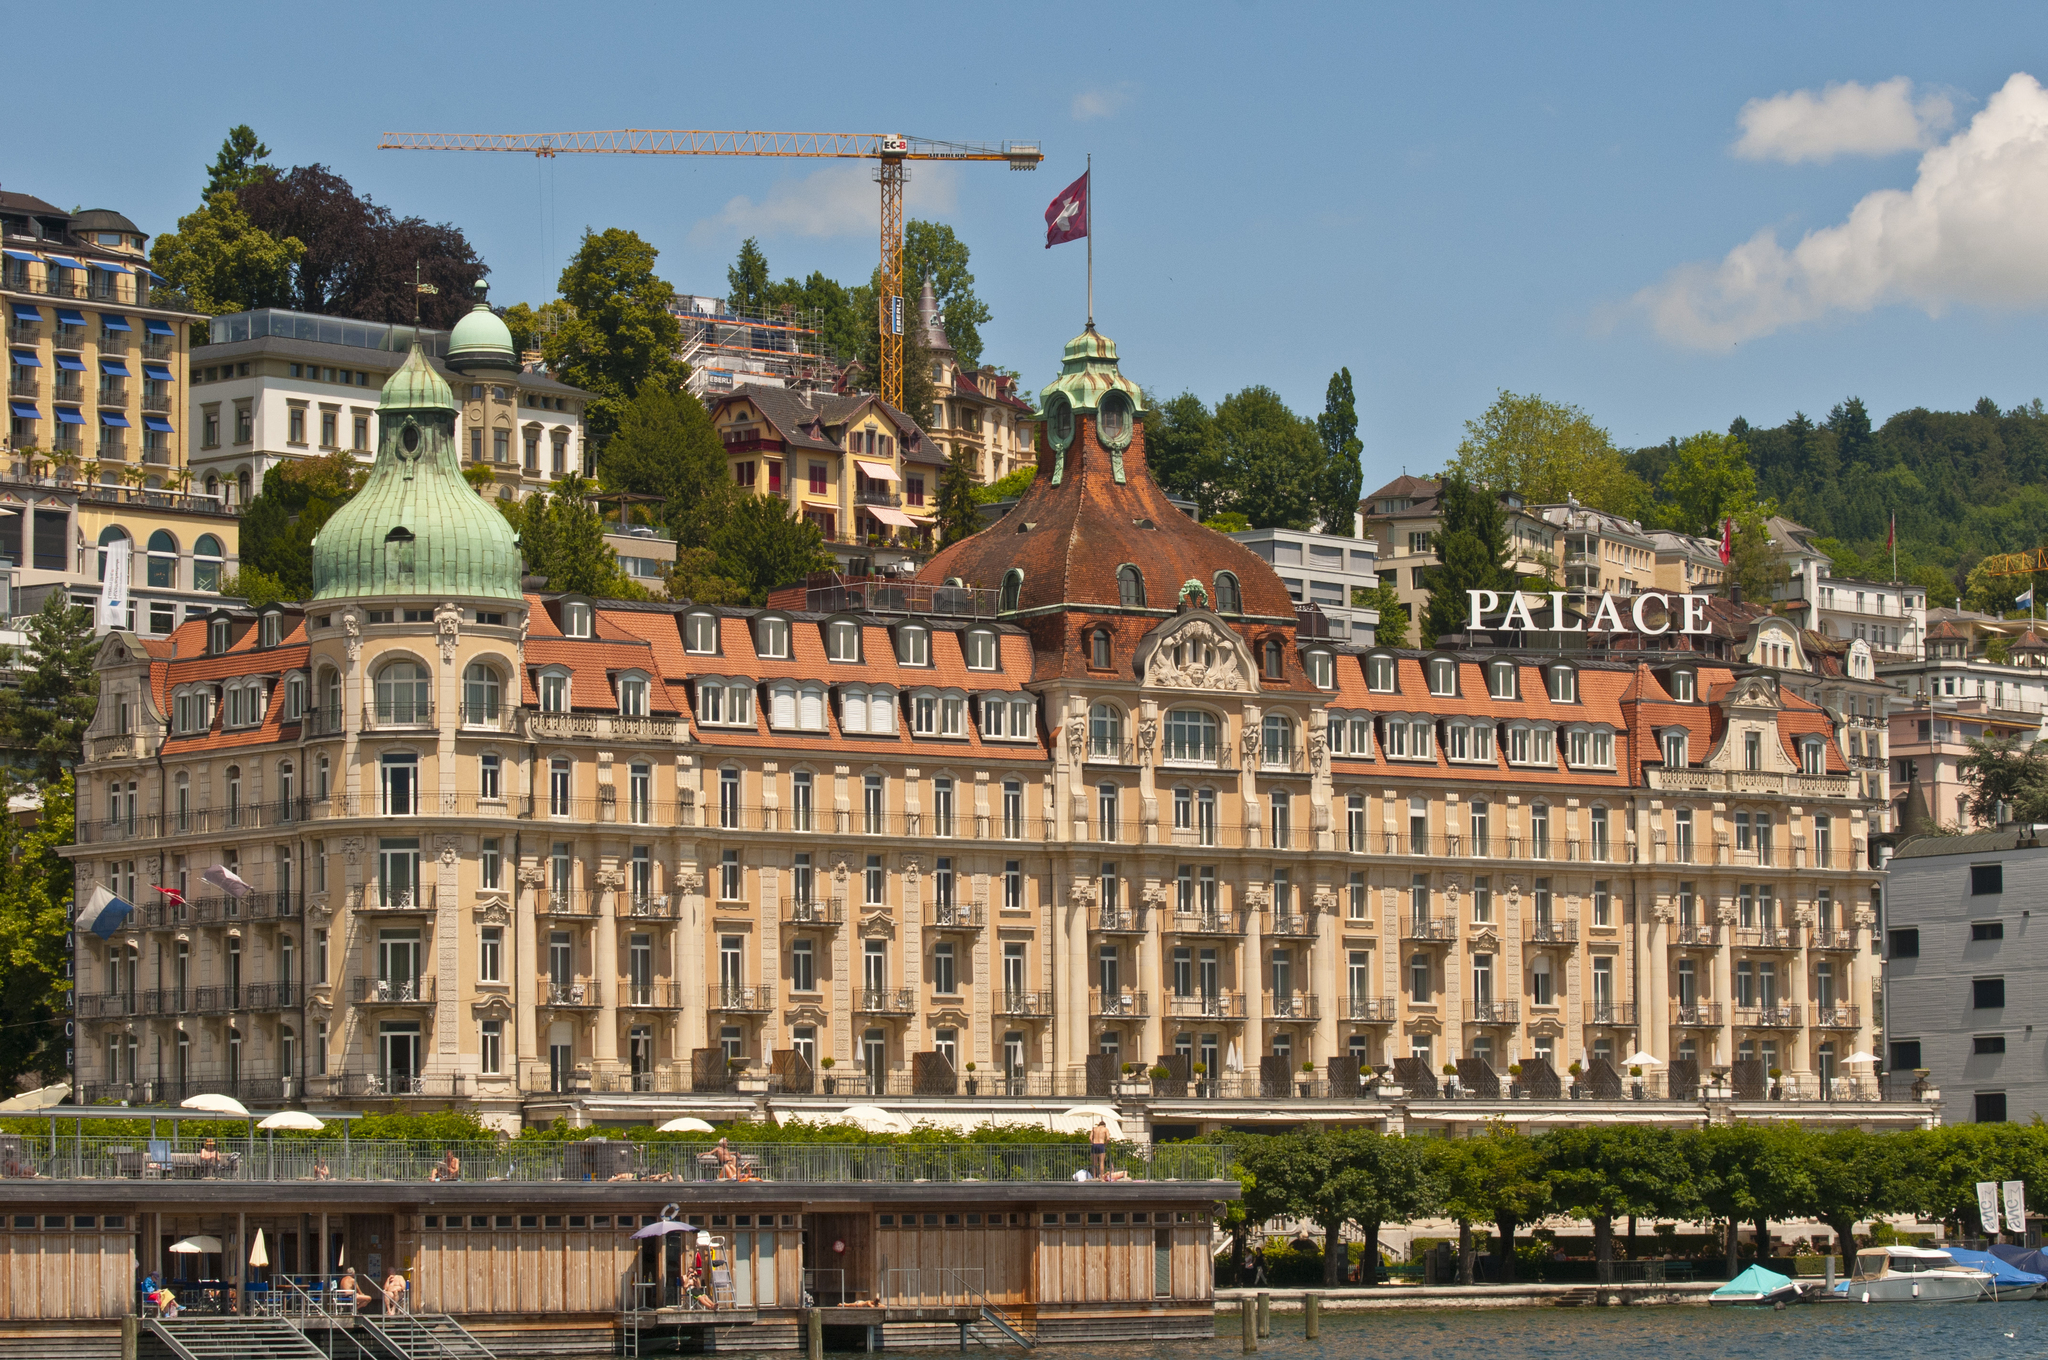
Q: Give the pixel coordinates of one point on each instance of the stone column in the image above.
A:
(525, 963)
(604, 966)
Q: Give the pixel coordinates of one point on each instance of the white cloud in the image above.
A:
(1968, 231)
(836, 200)
(1842, 120)
(1102, 102)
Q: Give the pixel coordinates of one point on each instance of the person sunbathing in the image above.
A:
(449, 1169)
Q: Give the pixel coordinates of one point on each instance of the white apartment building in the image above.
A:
(1323, 570)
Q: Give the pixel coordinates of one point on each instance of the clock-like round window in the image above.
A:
(1113, 419)
(1059, 423)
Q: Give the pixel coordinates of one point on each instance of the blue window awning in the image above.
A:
(157, 425)
(25, 410)
(114, 368)
(65, 261)
(112, 268)
(155, 277)
(68, 316)
(157, 373)
(71, 363)
(22, 255)
(115, 419)
(158, 327)
(67, 416)
(24, 312)
(115, 323)
(27, 358)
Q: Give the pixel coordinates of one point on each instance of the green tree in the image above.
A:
(222, 262)
(959, 514)
(1749, 1173)
(281, 521)
(1753, 563)
(932, 251)
(763, 544)
(1472, 551)
(35, 915)
(2006, 778)
(695, 578)
(45, 717)
(562, 538)
(239, 164)
(1181, 451)
(1545, 451)
(1856, 1176)
(748, 279)
(1387, 1179)
(1007, 487)
(1270, 458)
(255, 587)
(620, 334)
(1343, 474)
(1496, 1177)
(665, 445)
(1599, 1171)
(530, 326)
(1709, 478)
(1393, 625)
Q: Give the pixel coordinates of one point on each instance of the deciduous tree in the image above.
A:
(1393, 625)
(223, 262)
(1472, 553)
(665, 445)
(1709, 478)
(1545, 451)
(2006, 778)
(35, 917)
(281, 521)
(932, 251)
(1270, 458)
(762, 544)
(1600, 1171)
(1182, 454)
(621, 334)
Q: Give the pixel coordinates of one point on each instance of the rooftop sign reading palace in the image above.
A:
(1689, 616)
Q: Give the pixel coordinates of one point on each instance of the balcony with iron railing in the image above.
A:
(1289, 924)
(1370, 1009)
(800, 911)
(1292, 1006)
(1119, 921)
(24, 382)
(741, 999)
(1835, 941)
(1552, 931)
(1774, 1016)
(1207, 923)
(1835, 1016)
(956, 915)
(1429, 930)
(1698, 936)
(391, 991)
(1774, 937)
(1218, 1005)
(885, 1000)
(1025, 1005)
(1696, 1015)
(1611, 1014)
(565, 902)
(393, 899)
(1123, 1002)
(665, 996)
(644, 906)
(158, 346)
(1492, 1012)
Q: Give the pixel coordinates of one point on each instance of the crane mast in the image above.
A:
(890, 149)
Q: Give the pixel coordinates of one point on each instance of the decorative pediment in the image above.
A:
(1424, 1024)
(493, 1006)
(1197, 651)
(806, 1013)
(1548, 1025)
(878, 925)
(491, 911)
(1753, 691)
(1485, 937)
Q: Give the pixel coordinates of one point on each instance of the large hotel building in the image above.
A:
(1086, 793)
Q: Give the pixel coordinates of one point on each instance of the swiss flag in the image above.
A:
(1066, 217)
(1727, 540)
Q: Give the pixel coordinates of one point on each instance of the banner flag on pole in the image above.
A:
(1727, 540)
(114, 590)
(103, 913)
(1066, 217)
(1987, 1206)
(2016, 1206)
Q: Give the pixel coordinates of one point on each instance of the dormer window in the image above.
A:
(1683, 685)
(980, 646)
(1500, 679)
(1013, 590)
(576, 619)
(700, 635)
(1813, 757)
(269, 630)
(554, 692)
(1272, 660)
(220, 636)
(913, 646)
(633, 696)
(771, 638)
(1130, 587)
(842, 640)
(1674, 749)
(1098, 649)
(1229, 597)
(1379, 674)
(1564, 685)
(1443, 676)
(1321, 668)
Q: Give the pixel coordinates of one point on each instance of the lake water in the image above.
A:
(1816, 1332)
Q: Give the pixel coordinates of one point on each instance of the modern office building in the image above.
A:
(1082, 792)
(1323, 570)
(1964, 984)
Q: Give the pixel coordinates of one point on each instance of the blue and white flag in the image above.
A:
(104, 913)
(2026, 598)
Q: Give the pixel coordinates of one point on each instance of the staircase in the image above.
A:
(996, 1318)
(423, 1336)
(233, 1338)
(1578, 1298)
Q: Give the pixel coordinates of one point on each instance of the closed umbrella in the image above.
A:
(686, 1124)
(259, 1255)
(216, 1104)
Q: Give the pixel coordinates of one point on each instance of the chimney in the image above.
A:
(1735, 592)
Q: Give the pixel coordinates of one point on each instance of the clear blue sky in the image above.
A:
(1449, 200)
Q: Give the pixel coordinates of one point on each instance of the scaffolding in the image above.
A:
(726, 347)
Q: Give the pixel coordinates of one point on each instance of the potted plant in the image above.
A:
(1129, 1080)
(831, 1082)
(973, 1082)
(1514, 1081)
(1201, 1071)
(1636, 1078)
(1162, 1077)
(1450, 1079)
(1777, 1083)
(1307, 1084)
(1576, 1071)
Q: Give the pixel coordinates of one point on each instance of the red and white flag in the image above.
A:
(1891, 532)
(1066, 217)
(1727, 540)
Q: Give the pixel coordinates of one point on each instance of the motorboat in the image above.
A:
(1900, 1274)
(1758, 1288)
(2010, 1281)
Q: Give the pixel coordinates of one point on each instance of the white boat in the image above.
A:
(1913, 1275)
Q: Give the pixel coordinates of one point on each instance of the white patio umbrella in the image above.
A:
(1231, 1062)
(259, 1255)
(196, 1246)
(688, 1123)
(874, 1119)
(1643, 1060)
(216, 1104)
(1858, 1059)
(1082, 1118)
(293, 1119)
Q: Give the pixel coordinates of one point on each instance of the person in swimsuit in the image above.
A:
(1098, 1148)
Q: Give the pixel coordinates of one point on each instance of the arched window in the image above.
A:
(109, 536)
(1229, 598)
(163, 560)
(206, 556)
(1106, 732)
(1130, 587)
(1272, 659)
(1013, 589)
(403, 694)
(480, 695)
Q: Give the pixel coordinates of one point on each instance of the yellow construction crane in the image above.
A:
(2016, 564)
(891, 149)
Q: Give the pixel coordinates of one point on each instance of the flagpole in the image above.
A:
(1091, 240)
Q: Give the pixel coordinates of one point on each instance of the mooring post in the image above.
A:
(1311, 1315)
(814, 1326)
(131, 1336)
(1249, 1322)
(1265, 1314)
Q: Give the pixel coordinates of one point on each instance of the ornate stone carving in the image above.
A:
(1318, 750)
(448, 630)
(351, 847)
(1258, 899)
(449, 846)
(1148, 732)
(1724, 913)
(1197, 656)
(1664, 910)
(839, 870)
(491, 911)
(1077, 738)
(1081, 893)
(1154, 895)
(352, 633)
(878, 925)
(690, 881)
(1325, 901)
(611, 879)
(532, 875)
(1804, 914)
(912, 867)
(1866, 916)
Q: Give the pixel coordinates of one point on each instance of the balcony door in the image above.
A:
(398, 964)
(398, 1055)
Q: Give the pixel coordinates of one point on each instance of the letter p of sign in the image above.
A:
(1481, 600)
